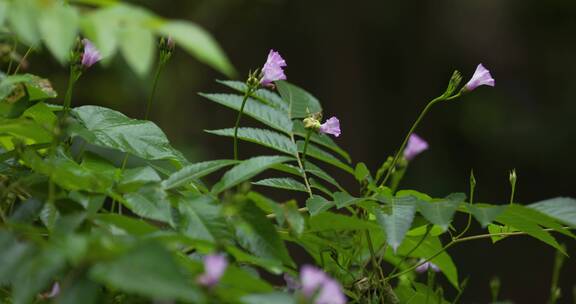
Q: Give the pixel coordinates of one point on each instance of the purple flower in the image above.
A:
(415, 146)
(54, 292)
(315, 281)
(214, 267)
(91, 54)
(272, 70)
(424, 267)
(331, 126)
(481, 77)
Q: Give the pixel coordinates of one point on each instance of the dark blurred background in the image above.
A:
(375, 64)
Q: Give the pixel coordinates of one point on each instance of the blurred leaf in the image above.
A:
(246, 170)
(267, 205)
(138, 46)
(317, 204)
(301, 103)
(333, 221)
(149, 202)
(361, 172)
(25, 129)
(80, 290)
(37, 88)
(203, 220)
(199, 43)
(91, 202)
(237, 282)
(36, 274)
(58, 25)
(102, 28)
(282, 183)
(265, 114)
(3, 12)
(486, 214)
(397, 220)
(256, 233)
(560, 208)
(262, 137)
(42, 114)
(195, 171)
(294, 217)
(27, 211)
(22, 17)
(440, 212)
(13, 254)
(132, 226)
(315, 152)
(148, 270)
(342, 199)
(420, 294)
(321, 139)
(112, 129)
(275, 297)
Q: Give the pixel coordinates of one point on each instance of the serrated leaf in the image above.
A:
(300, 102)
(282, 183)
(396, 221)
(198, 43)
(265, 114)
(58, 25)
(158, 275)
(560, 208)
(246, 170)
(440, 212)
(262, 137)
(485, 215)
(315, 152)
(318, 172)
(268, 97)
(342, 199)
(318, 204)
(257, 234)
(137, 47)
(195, 171)
(149, 202)
(321, 139)
(203, 220)
(111, 129)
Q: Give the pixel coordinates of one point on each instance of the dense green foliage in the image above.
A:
(104, 205)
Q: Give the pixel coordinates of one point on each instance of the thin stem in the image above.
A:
(472, 188)
(159, 69)
(74, 76)
(11, 61)
(306, 147)
(22, 60)
(301, 166)
(420, 242)
(246, 95)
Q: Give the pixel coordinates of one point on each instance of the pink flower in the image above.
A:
(481, 77)
(272, 70)
(315, 281)
(91, 54)
(331, 126)
(424, 267)
(415, 146)
(214, 268)
(54, 292)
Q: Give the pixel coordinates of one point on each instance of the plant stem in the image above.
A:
(306, 148)
(74, 76)
(159, 69)
(238, 118)
(469, 223)
(22, 60)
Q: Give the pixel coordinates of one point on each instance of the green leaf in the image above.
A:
(137, 46)
(265, 114)
(203, 220)
(561, 208)
(149, 202)
(199, 43)
(275, 297)
(3, 12)
(318, 204)
(362, 173)
(257, 234)
(440, 212)
(148, 270)
(112, 129)
(301, 103)
(22, 17)
(321, 139)
(262, 137)
(294, 217)
(282, 183)
(134, 178)
(195, 171)
(486, 214)
(36, 274)
(268, 97)
(332, 221)
(237, 282)
(58, 25)
(318, 172)
(36, 87)
(130, 226)
(397, 220)
(26, 130)
(315, 152)
(246, 170)
(14, 253)
(102, 28)
(344, 199)
(80, 288)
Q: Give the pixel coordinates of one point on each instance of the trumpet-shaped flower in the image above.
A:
(481, 77)
(424, 267)
(331, 126)
(415, 146)
(214, 268)
(273, 69)
(315, 281)
(91, 54)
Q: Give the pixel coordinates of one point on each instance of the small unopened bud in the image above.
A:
(472, 179)
(312, 123)
(453, 84)
(512, 178)
(495, 288)
(253, 80)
